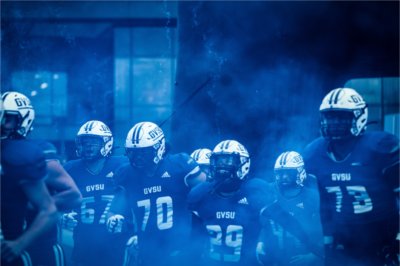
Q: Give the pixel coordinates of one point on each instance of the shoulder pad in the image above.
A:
(24, 159)
(381, 142)
(49, 150)
(20, 152)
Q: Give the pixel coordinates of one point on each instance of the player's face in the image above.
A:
(224, 166)
(141, 157)
(337, 124)
(9, 124)
(286, 181)
(90, 147)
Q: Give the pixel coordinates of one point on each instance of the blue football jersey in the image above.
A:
(304, 208)
(356, 190)
(21, 161)
(97, 193)
(232, 223)
(158, 203)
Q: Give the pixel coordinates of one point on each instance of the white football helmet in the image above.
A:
(18, 111)
(344, 113)
(292, 164)
(201, 156)
(229, 159)
(145, 144)
(94, 140)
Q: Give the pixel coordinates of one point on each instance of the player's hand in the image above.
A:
(303, 259)
(115, 223)
(69, 221)
(260, 252)
(10, 250)
(132, 251)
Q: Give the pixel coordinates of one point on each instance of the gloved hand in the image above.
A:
(69, 221)
(132, 251)
(115, 223)
(260, 252)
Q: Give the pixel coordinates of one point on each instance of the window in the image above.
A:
(382, 97)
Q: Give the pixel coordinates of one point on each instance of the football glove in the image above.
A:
(69, 221)
(115, 223)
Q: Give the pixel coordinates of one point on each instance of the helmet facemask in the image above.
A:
(10, 124)
(91, 147)
(146, 157)
(337, 124)
(226, 171)
(289, 181)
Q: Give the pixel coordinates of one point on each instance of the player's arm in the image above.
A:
(289, 223)
(67, 195)
(38, 195)
(196, 176)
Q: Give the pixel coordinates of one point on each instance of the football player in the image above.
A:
(297, 194)
(202, 157)
(229, 206)
(94, 172)
(357, 174)
(23, 170)
(154, 188)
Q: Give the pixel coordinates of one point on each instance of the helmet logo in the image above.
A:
(155, 133)
(356, 99)
(20, 102)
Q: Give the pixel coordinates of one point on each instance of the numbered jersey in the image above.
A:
(21, 161)
(356, 190)
(232, 223)
(304, 208)
(97, 193)
(158, 203)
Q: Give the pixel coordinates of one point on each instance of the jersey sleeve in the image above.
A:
(25, 161)
(197, 194)
(49, 150)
